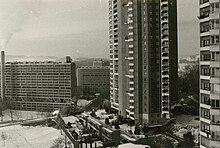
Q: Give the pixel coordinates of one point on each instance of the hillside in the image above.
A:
(191, 60)
(23, 58)
(89, 62)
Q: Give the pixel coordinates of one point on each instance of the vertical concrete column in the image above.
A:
(3, 76)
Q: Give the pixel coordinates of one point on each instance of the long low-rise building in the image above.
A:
(41, 86)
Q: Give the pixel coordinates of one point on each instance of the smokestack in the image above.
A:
(3, 76)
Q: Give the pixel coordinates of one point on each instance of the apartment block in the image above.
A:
(40, 86)
(143, 58)
(209, 74)
(94, 79)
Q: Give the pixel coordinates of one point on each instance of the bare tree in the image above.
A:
(3, 137)
(9, 106)
(57, 143)
(1, 109)
(18, 114)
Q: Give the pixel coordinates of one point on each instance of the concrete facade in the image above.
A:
(95, 79)
(143, 58)
(209, 73)
(40, 86)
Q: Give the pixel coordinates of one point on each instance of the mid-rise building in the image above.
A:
(94, 79)
(209, 73)
(40, 86)
(143, 58)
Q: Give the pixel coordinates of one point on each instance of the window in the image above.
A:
(214, 7)
(214, 24)
(205, 113)
(212, 71)
(205, 85)
(214, 40)
(203, 1)
(215, 104)
(204, 41)
(205, 56)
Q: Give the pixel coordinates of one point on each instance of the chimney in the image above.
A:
(3, 76)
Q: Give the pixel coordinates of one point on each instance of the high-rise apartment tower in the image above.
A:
(143, 58)
(209, 74)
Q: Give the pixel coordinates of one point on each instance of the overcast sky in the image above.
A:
(78, 28)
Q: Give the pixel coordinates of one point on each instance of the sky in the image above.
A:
(78, 28)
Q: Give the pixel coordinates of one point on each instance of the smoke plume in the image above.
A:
(13, 15)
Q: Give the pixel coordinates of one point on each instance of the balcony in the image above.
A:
(165, 94)
(131, 88)
(205, 120)
(131, 70)
(204, 15)
(207, 33)
(205, 77)
(131, 52)
(204, 19)
(165, 73)
(131, 101)
(130, 58)
(115, 59)
(130, 76)
(205, 106)
(130, 15)
(165, 20)
(165, 54)
(205, 63)
(205, 133)
(165, 38)
(130, 33)
(165, 108)
(165, 99)
(116, 44)
(206, 48)
(165, 68)
(130, 40)
(131, 46)
(130, 9)
(165, 44)
(204, 5)
(131, 64)
(205, 91)
(164, 3)
(164, 9)
(130, 95)
(130, 27)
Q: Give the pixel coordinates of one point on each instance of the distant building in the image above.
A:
(94, 79)
(98, 63)
(143, 58)
(40, 86)
(209, 74)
